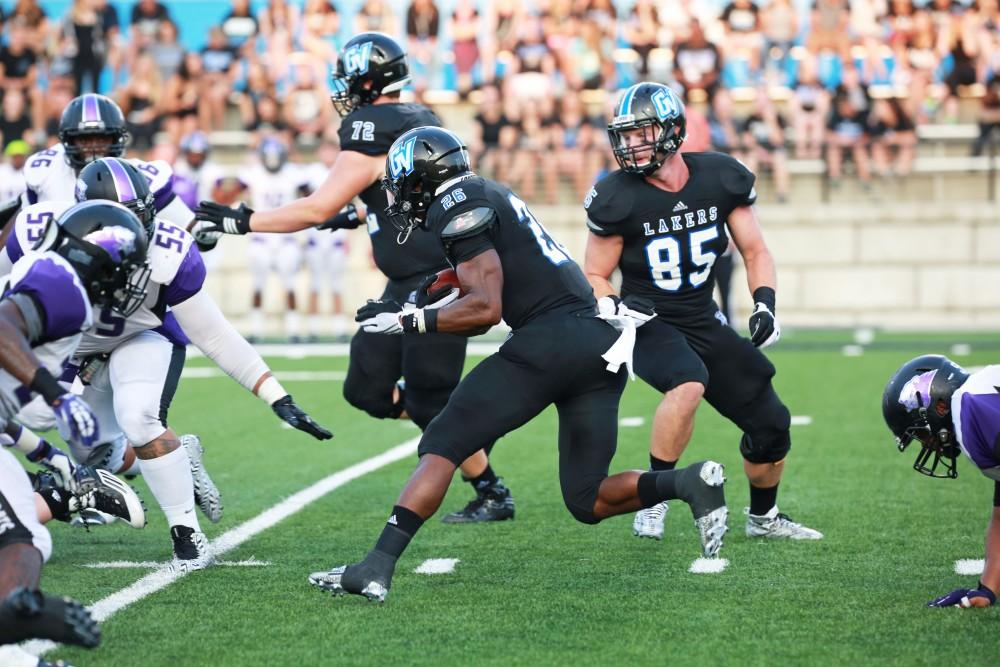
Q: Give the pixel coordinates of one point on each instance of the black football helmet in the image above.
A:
(273, 154)
(419, 162)
(371, 64)
(657, 112)
(118, 180)
(106, 244)
(90, 116)
(916, 405)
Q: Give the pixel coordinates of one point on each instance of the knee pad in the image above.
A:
(582, 515)
(376, 403)
(580, 496)
(423, 405)
(767, 440)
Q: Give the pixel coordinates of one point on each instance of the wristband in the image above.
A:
(421, 320)
(765, 295)
(47, 386)
(989, 592)
(270, 390)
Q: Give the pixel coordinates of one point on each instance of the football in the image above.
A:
(446, 278)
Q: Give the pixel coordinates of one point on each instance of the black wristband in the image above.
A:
(409, 322)
(764, 295)
(430, 320)
(47, 386)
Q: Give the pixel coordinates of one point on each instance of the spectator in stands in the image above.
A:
(266, 121)
(376, 16)
(29, 14)
(572, 140)
(182, 98)
(989, 117)
(141, 100)
(423, 23)
(762, 136)
(892, 131)
(240, 26)
(697, 62)
(307, 109)
(588, 63)
(601, 12)
(723, 132)
(166, 51)
(851, 86)
(534, 146)
(19, 67)
(915, 48)
(810, 106)
(278, 16)
(219, 61)
(83, 27)
(108, 17)
(847, 128)
(464, 29)
(741, 20)
(15, 117)
(779, 24)
(962, 38)
(494, 138)
(641, 31)
(11, 175)
(530, 75)
(828, 28)
(147, 15)
(54, 101)
(320, 30)
(504, 24)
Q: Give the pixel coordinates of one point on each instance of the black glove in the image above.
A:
(639, 304)
(348, 218)
(424, 298)
(223, 218)
(764, 327)
(293, 415)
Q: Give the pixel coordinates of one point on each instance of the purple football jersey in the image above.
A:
(975, 410)
(53, 284)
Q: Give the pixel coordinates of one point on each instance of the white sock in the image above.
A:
(257, 322)
(169, 479)
(291, 323)
(315, 325)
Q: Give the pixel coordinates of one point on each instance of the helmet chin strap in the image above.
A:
(403, 237)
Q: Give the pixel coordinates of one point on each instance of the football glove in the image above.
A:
(204, 237)
(76, 422)
(57, 462)
(294, 416)
(966, 598)
(439, 298)
(636, 308)
(224, 219)
(348, 218)
(764, 327)
(380, 317)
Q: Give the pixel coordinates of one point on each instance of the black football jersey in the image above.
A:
(371, 130)
(539, 276)
(672, 239)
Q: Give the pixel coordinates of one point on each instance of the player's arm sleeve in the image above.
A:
(739, 181)
(606, 207)
(211, 332)
(469, 233)
(174, 210)
(5, 262)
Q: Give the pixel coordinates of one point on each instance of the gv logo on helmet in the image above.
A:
(357, 57)
(666, 104)
(401, 160)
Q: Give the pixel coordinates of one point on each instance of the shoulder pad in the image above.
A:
(160, 175)
(737, 180)
(31, 224)
(167, 251)
(39, 166)
(368, 130)
(469, 223)
(609, 202)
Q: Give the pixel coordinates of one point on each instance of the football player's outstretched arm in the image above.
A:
(16, 356)
(749, 239)
(206, 326)
(600, 261)
(350, 175)
(991, 571)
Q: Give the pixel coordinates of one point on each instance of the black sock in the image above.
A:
(402, 525)
(656, 464)
(657, 486)
(762, 500)
(485, 480)
(57, 501)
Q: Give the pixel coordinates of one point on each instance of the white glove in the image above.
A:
(203, 236)
(383, 323)
(637, 309)
(59, 464)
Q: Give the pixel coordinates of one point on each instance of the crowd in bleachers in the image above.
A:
(769, 80)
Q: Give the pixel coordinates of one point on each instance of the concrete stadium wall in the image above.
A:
(899, 266)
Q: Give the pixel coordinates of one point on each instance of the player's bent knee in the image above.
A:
(423, 405)
(375, 403)
(582, 514)
(687, 394)
(141, 428)
(766, 447)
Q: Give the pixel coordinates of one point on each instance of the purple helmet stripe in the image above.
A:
(123, 184)
(91, 110)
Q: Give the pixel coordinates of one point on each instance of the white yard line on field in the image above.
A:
(631, 422)
(152, 565)
(708, 565)
(437, 566)
(801, 420)
(194, 373)
(970, 566)
(163, 577)
(290, 351)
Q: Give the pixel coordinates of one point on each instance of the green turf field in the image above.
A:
(544, 589)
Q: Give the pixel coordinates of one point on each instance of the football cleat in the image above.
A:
(494, 503)
(191, 549)
(774, 524)
(28, 614)
(12, 655)
(206, 494)
(103, 499)
(649, 522)
(370, 578)
(705, 494)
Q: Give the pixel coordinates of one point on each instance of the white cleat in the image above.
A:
(708, 505)
(103, 499)
(776, 525)
(206, 494)
(191, 550)
(649, 522)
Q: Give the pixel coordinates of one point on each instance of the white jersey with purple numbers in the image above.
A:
(29, 227)
(272, 190)
(64, 310)
(178, 273)
(975, 410)
(49, 177)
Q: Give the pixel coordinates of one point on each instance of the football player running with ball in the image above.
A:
(946, 409)
(560, 352)
(663, 219)
(371, 72)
